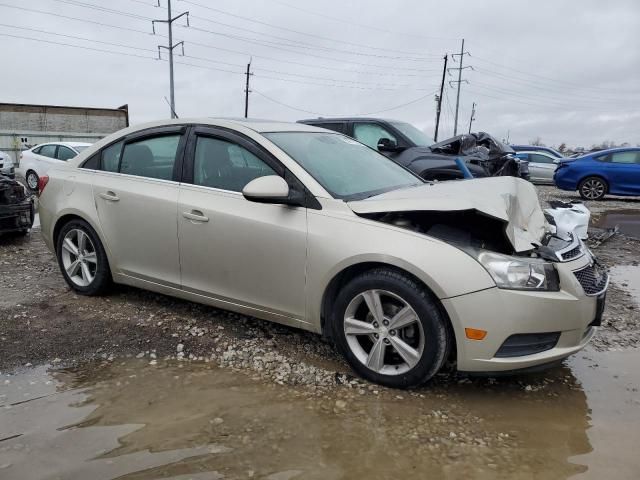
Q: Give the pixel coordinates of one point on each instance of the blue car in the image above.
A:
(615, 171)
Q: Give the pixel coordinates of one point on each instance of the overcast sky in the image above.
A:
(564, 71)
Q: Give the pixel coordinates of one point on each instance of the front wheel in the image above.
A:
(592, 188)
(390, 329)
(82, 258)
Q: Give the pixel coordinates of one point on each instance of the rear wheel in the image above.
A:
(390, 329)
(592, 188)
(82, 259)
(32, 180)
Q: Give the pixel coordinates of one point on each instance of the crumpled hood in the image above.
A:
(509, 199)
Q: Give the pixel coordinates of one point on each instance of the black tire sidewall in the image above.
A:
(604, 185)
(102, 279)
(436, 339)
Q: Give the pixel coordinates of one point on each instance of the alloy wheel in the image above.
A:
(593, 189)
(32, 180)
(384, 332)
(79, 257)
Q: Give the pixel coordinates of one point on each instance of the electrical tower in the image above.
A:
(473, 115)
(246, 90)
(459, 82)
(439, 99)
(170, 47)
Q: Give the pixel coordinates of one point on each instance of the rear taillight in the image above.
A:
(42, 182)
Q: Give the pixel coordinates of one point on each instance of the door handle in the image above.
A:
(195, 216)
(109, 196)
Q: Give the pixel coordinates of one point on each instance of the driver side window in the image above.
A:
(370, 133)
(225, 165)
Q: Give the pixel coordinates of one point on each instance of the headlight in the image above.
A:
(519, 273)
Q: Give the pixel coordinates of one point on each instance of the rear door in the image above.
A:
(136, 196)
(45, 158)
(541, 167)
(233, 250)
(623, 170)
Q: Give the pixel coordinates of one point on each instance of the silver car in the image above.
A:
(7, 168)
(309, 228)
(542, 165)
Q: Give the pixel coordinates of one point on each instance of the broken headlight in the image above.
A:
(520, 273)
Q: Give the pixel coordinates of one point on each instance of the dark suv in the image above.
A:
(483, 155)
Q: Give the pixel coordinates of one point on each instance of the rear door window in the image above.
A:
(152, 157)
(625, 157)
(370, 133)
(336, 127)
(48, 151)
(537, 158)
(65, 153)
(111, 157)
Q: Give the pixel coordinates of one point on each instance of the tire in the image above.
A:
(359, 339)
(593, 188)
(87, 270)
(32, 180)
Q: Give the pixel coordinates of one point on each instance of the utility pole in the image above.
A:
(170, 47)
(439, 109)
(459, 82)
(473, 115)
(246, 90)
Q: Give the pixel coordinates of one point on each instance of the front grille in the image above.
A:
(592, 278)
(522, 344)
(573, 253)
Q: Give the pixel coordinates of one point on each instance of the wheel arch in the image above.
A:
(66, 217)
(596, 175)
(346, 274)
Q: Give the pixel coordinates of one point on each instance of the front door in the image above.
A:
(541, 167)
(136, 198)
(232, 250)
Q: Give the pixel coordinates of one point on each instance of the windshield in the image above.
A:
(80, 148)
(345, 168)
(418, 137)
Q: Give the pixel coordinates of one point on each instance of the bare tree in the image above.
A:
(562, 147)
(536, 142)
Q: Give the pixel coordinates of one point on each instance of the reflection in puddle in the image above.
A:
(627, 220)
(627, 277)
(129, 420)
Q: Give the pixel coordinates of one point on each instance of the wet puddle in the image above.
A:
(132, 420)
(628, 221)
(627, 277)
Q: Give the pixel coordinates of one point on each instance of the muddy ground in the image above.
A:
(97, 345)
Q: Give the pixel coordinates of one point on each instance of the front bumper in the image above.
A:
(503, 313)
(17, 217)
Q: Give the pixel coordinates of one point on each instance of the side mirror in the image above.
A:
(387, 145)
(556, 161)
(269, 189)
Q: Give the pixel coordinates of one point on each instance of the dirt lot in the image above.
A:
(97, 345)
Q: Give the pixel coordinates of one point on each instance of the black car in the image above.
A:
(16, 207)
(483, 155)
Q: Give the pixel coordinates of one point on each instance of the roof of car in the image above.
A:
(346, 119)
(611, 150)
(67, 144)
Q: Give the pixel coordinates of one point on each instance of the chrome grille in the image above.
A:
(573, 253)
(592, 278)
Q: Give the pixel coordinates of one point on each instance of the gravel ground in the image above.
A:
(42, 320)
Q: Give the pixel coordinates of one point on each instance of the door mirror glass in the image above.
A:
(269, 189)
(387, 145)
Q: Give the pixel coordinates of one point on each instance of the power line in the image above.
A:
(271, 45)
(351, 23)
(357, 114)
(416, 56)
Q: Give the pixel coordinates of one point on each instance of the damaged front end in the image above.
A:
(16, 207)
(496, 158)
(498, 221)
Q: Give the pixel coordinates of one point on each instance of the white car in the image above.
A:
(37, 161)
(542, 165)
(6, 165)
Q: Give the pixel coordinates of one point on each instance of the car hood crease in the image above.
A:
(510, 199)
